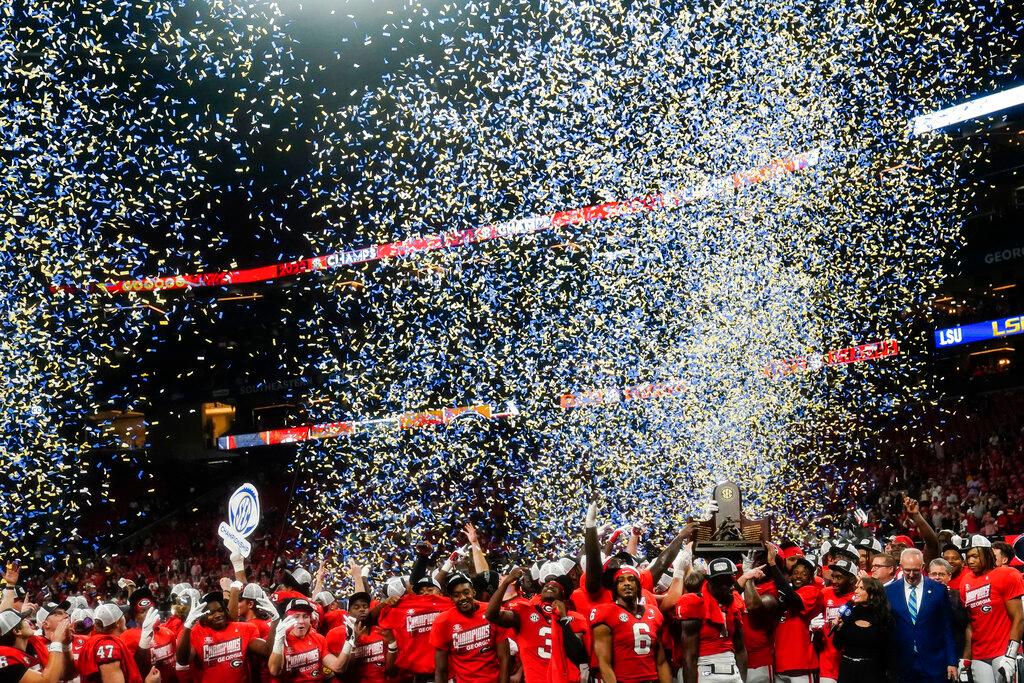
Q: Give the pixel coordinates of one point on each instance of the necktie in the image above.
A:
(912, 604)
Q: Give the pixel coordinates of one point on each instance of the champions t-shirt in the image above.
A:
(219, 656)
(985, 598)
(162, 651)
(303, 658)
(471, 643)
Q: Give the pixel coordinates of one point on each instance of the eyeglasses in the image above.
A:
(880, 566)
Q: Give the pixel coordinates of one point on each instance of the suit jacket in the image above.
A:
(924, 649)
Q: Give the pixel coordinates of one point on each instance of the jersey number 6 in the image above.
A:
(641, 638)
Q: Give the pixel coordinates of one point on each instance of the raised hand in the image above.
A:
(196, 612)
(471, 534)
(911, 506)
(148, 625)
(12, 573)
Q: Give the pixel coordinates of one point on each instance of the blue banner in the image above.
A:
(976, 332)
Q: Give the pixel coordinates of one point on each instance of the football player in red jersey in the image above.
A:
(992, 597)
(407, 620)
(796, 660)
(712, 628)
(844, 581)
(761, 599)
(105, 658)
(157, 640)
(251, 598)
(17, 665)
(300, 653)
(467, 647)
(215, 646)
(626, 634)
(534, 622)
(366, 650)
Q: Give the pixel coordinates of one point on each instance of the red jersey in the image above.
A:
(758, 634)
(533, 637)
(367, 663)
(38, 647)
(162, 650)
(985, 597)
(829, 658)
(717, 623)
(219, 656)
(103, 648)
(77, 642)
(471, 643)
(14, 663)
(410, 622)
(633, 639)
(793, 648)
(303, 658)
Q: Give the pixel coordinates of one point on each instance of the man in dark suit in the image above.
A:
(922, 635)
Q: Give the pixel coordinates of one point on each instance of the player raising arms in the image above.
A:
(468, 648)
(627, 634)
(300, 653)
(215, 645)
(534, 622)
(992, 597)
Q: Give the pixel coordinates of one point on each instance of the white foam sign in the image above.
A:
(243, 518)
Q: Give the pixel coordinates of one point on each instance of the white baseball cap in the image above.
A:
(107, 614)
(9, 620)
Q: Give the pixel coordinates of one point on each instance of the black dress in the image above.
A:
(863, 647)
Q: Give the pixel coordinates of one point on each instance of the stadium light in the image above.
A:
(976, 108)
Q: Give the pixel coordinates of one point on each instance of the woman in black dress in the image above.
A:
(861, 632)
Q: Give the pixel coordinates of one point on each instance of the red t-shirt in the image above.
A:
(175, 623)
(758, 636)
(410, 621)
(985, 598)
(219, 656)
(954, 583)
(102, 648)
(303, 658)
(471, 643)
(633, 639)
(717, 623)
(793, 648)
(830, 656)
(534, 638)
(367, 663)
(162, 651)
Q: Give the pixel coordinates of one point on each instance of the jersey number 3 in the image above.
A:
(544, 651)
(641, 638)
